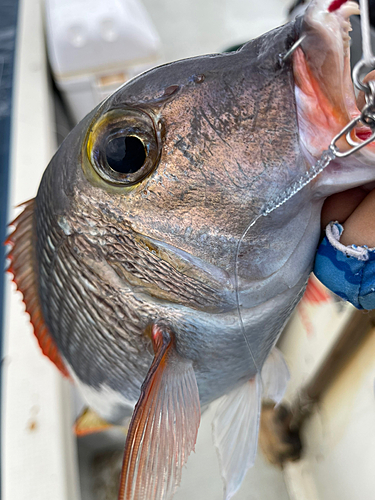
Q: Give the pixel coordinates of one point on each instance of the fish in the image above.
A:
(151, 277)
(314, 296)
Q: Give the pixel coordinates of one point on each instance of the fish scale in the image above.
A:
(161, 257)
(123, 251)
(87, 345)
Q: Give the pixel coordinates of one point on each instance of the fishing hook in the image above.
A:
(367, 63)
(284, 57)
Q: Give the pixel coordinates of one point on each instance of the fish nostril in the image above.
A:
(172, 89)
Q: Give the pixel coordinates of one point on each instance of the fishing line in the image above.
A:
(236, 279)
(325, 159)
(327, 156)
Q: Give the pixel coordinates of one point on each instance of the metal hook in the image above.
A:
(284, 57)
(360, 71)
(344, 132)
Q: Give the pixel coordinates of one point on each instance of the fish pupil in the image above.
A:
(125, 155)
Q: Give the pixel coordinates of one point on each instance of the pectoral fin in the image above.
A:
(278, 441)
(236, 422)
(275, 376)
(235, 431)
(164, 426)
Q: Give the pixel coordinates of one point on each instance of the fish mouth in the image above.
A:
(326, 100)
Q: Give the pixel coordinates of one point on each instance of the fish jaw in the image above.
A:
(229, 131)
(321, 65)
(325, 97)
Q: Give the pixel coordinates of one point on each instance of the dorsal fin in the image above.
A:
(23, 270)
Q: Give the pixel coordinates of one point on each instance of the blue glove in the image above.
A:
(348, 271)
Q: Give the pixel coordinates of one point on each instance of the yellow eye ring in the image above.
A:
(124, 146)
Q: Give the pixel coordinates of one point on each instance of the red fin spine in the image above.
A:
(21, 266)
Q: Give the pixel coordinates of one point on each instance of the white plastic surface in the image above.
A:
(87, 36)
(310, 335)
(38, 454)
(339, 438)
(94, 46)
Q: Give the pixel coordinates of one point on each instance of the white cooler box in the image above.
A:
(94, 46)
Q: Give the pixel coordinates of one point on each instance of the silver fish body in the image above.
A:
(102, 273)
(143, 236)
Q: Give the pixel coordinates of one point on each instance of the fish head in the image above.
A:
(183, 157)
(177, 164)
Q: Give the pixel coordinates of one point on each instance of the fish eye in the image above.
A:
(125, 155)
(124, 146)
